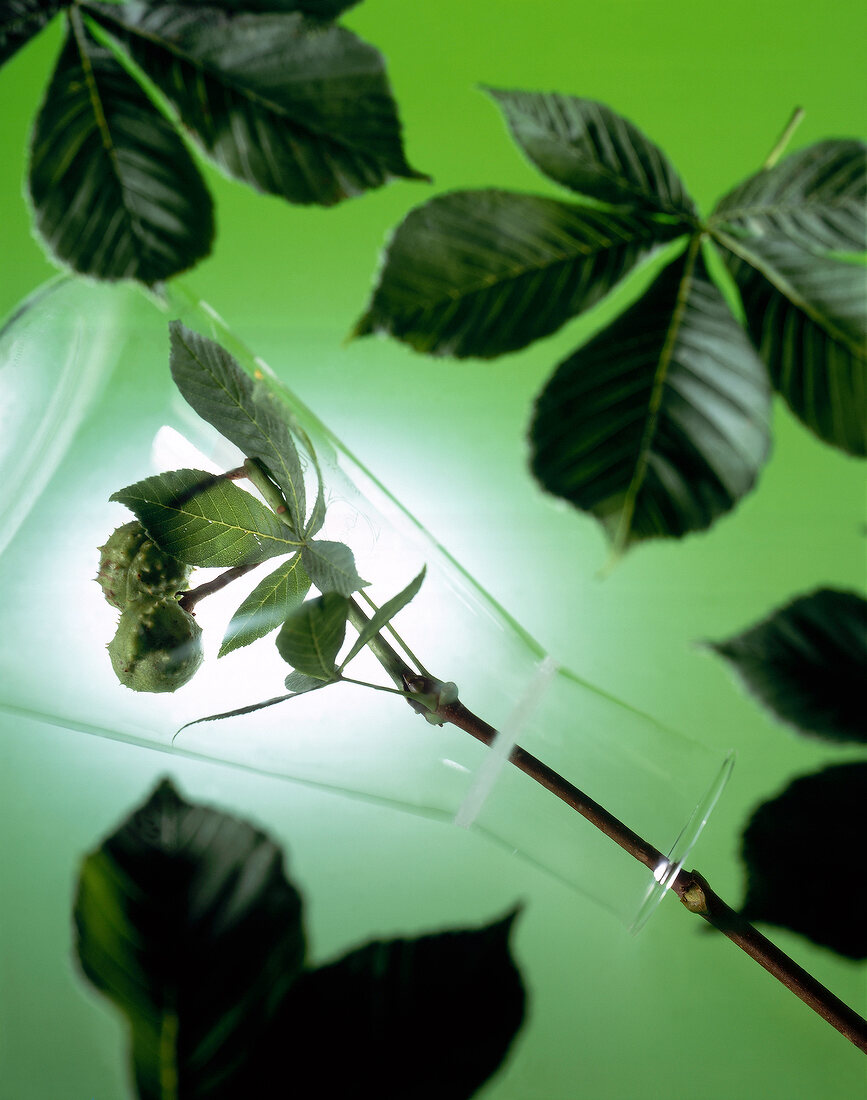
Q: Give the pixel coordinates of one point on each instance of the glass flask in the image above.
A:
(88, 406)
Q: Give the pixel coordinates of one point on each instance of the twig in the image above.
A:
(189, 599)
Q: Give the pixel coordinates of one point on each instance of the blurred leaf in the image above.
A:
(659, 424)
(20, 20)
(589, 148)
(383, 616)
(429, 1018)
(804, 855)
(331, 567)
(311, 637)
(186, 921)
(268, 605)
(318, 9)
(486, 272)
(816, 198)
(808, 316)
(292, 107)
(115, 193)
(213, 382)
(204, 520)
(299, 683)
(806, 663)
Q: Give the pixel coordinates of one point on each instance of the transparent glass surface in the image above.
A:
(87, 406)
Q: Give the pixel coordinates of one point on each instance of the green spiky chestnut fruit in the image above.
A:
(157, 647)
(132, 567)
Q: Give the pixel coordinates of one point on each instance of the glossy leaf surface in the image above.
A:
(213, 382)
(311, 637)
(292, 107)
(273, 598)
(203, 520)
(817, 197)
(486, 272)
(115, 193)
(186, 921)
(659, 424)
(807, 315)
(429, 1018)
(589, 148)
(804, 855)
(806, 663)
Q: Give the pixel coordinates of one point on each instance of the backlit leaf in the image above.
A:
(383, 616)
(205, 520)
(331, 567)
(273, 598)
(311, 637)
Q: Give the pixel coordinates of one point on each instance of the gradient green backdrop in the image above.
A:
(673, 1012)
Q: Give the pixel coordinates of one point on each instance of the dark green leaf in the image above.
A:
(430, 1018)
(659, 424)
(292, 107)
(216, 386)
(202, 519)
(806, 663)
(186, 921)
(312, 636)
(486, 272)
(115, 193)
(384, 615)
(808, 316)
(273, 598)
(20, 20)
(331, 567)
(804, 855)
(589, 148)
(816, 197)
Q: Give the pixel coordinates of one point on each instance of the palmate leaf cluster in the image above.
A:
(207, 520)
(274, 92)
(803, 849)
(185, 919)
(660, 423)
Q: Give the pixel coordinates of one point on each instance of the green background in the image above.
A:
(672, 1012)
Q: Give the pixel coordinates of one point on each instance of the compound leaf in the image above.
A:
(589, 148)
(115, 193)
(486, 272)
(268, 605)
(659, 424)
(291, 106)
(203, 519)
(185, 920)
(806, 663)
(807, 314)
(817, 197)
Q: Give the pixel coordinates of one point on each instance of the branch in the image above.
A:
(189, 599)
(690, 887)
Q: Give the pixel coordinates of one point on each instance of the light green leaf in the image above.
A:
(186, 921)
(299, 683)
(589, 148)
(384, 615)
(312, 636)
(213, 382)
(275, 597)
(808, 316)
(115, 193)
(204, 520)
(659, 424)
(291, 106)
(20, 20)
(816, 197)
(485, 272)
(331, 567)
